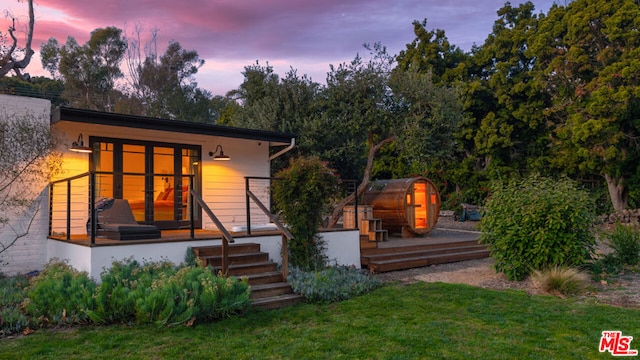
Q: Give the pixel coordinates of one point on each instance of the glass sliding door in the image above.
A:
(154, 178)
(164, 183)
(104, 167)
(134, 179)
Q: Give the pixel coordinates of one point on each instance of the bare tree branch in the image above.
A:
(7, 61)
(5, 247)
(373, 149)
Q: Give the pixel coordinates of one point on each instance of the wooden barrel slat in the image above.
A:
(409, 205)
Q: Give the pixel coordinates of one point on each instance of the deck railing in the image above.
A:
(286, 235)
(92, 225)
(91, 202)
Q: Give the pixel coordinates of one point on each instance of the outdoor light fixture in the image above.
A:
(220, 156)
(78, 146)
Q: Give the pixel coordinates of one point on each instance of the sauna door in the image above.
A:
(421, 208)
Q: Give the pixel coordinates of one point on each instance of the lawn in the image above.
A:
(421, 320)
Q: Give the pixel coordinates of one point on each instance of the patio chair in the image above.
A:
(115, 221)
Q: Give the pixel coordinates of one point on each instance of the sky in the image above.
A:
(306, 35)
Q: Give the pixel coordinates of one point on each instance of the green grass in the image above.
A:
(429, 321)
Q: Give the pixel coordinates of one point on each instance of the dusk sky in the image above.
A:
(307, 35)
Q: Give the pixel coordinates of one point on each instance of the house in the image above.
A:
(160, 167)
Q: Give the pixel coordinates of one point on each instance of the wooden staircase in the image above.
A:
(402, 257)
(268, 288)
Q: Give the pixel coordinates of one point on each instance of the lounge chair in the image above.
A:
(115, 221)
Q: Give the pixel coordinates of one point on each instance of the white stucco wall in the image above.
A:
(343, 248)
(29, 251)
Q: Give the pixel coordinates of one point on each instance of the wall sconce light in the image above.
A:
(78, 146)
(220, 156)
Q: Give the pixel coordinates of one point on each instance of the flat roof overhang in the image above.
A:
(176, 126)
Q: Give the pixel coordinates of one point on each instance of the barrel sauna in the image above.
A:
(407, 206)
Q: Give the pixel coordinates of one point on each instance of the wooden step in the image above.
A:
(264, 278)
(378, 235)
(421, 261)
(418, 253)
(277, 302)
(241, 258)
(252, 268)
(270, 290)
(366, 244)
(368, 225)
(216, 250)
(406, 248)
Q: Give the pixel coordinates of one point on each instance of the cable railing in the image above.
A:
(348, 186)
(79, 196)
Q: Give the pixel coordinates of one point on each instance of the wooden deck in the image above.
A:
(166, 236)
(440, 246)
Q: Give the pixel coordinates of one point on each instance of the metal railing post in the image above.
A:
(192, 230)
(285, 257)
(92, 207)
(246, 194)
(50, 209)
(68, 210)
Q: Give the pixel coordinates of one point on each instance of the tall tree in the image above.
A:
(168, 86)
(432, 52)
(588, 56)
(510, 131)
(12, 57)
(259, 96)
(89, 71)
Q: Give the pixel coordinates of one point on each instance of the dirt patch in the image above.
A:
(624, 290)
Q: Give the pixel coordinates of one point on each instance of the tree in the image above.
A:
(38, 87)
(89, 71)
(511, 134)
(27, 160)
(168, 86)
(431, 52)
(302, 192)
(258, 97)
(10, 54)
(368, 108)
(267, 102)
(588, 57)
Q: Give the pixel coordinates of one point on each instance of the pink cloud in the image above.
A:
(294, 31)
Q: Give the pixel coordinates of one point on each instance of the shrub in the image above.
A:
(332, 284)
(562, 280)
(60, 294)
(537, 223)
(121, 285)
(158, 292)
(625, 242)
(193, 293)
(301, 193)
(12, 293)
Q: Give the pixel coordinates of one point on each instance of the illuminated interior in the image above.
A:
(154, 178)
(421, 205)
